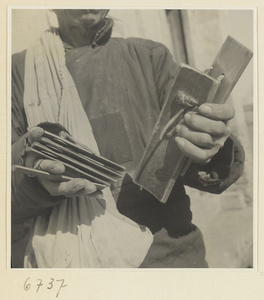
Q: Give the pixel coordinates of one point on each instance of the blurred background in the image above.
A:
(193, 37)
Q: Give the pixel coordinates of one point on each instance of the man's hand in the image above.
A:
(73, 188)
(204, 132)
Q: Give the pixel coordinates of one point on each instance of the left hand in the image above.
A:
(204, 132)
(74, 188)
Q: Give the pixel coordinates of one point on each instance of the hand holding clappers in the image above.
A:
(163, 161)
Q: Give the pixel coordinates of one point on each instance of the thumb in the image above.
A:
(214, 111)
(34, 134)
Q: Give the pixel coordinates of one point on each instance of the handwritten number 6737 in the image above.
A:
(39, 284)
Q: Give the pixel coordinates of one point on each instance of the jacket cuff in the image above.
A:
(221, 172)
(29, 197)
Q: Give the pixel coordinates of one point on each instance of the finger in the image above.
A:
(98, 195)
(89, 187)
(62, 188)
(220, 142)
(203, 124)
(51, 166)
(30, 159)
(34, 134)
(223, 112)
(74, 187)
(198, 138)
(195, 153)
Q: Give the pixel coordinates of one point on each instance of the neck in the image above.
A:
(77, 37)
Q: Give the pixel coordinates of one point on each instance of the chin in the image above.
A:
(87, 18)
(92, 20)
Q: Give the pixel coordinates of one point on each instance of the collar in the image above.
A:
(103, 35)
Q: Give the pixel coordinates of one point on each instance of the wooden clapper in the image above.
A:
(162, 161)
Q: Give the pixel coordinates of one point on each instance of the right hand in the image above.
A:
(73, 188)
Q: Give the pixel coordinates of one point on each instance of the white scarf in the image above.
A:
(82, 232)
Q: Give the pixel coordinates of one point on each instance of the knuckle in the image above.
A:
(231, 110)
(206, 155)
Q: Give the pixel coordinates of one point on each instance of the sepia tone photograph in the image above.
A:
(132, 138)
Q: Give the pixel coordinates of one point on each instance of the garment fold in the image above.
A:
(82, 232)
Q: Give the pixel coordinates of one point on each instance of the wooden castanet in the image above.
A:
(162, 161)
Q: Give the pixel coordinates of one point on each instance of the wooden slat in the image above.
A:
(162, 160)
(231, 61)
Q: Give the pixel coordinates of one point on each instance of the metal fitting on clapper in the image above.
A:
(187, 103)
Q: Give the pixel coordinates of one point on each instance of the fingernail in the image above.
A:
(205, 109)
(89, 187)
(180, 141)
(90, 191)
(178, 128)
(34, 134)
(58, 169)
(79, 186)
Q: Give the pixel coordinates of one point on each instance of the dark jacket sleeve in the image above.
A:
(29, 198)
(224, 169)
(227, 165)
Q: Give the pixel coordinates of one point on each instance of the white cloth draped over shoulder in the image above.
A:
(82, 232)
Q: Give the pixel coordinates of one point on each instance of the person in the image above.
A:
(122, 85)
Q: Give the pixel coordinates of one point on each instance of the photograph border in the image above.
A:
(161, 277)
